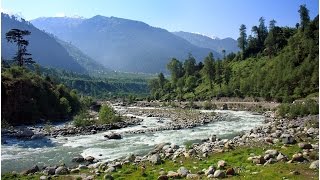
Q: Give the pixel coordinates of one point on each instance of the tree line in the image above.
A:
(275, 63)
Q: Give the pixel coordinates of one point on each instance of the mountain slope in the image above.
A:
(228, 44)
(45, 50)
(85, 61)
(122, 44)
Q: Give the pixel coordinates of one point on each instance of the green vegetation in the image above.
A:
(276, 63)
(235, 158)
(28, 97)
(106, 85)
(299, 108)
(108, 115)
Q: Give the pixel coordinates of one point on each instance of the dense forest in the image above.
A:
(275, 63)
(28, 97)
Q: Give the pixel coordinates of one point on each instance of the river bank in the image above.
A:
(275, 132)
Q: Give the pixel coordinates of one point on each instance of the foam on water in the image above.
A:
(19, 155)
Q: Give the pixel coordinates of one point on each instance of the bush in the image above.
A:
(298, 109)
(108, 115)
(82, 119)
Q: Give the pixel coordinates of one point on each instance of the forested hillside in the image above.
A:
(108, 85)
(27, 97)
(276, 63)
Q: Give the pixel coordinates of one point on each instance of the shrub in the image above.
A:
(82, 119)
(108, 115)
(297, 109)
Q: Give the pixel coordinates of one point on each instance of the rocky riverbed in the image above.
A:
(284, 131)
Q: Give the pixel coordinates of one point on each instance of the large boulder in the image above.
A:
(62, 170)
(298, 157)
(219, 174)
(32, 170)
(221, 164)
(172, 174)
(155, 159)
(258, 160)
(24, 133)
(113, 136)
(49, 170)
(305, 146)
(78, 159)
(282, 157)
(209, 171)
(272, 152)
(314, 165)
(288, 139)
(183, 172)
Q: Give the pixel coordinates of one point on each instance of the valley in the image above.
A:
(111, 97)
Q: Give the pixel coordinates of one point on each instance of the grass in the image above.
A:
(235, 158)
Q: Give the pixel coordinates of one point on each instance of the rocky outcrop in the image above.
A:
(113, 135)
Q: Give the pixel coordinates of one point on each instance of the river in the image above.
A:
(18, 155)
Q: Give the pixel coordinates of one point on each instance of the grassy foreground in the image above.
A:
(235, 158)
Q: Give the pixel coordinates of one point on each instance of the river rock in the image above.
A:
(172, 174)
(90, 159)
(305, 146)
(113, 136)
(75, 170)
(287, 139)
(213, 138)
(230, 171)
(79, 159)
(219, 174)
(62, 170)
(49, 170)
(221, 164)
(282, 157)
(24, 133)
(82, 166)
(272, 152)
(298, 157)
(130, 157)
(31, 170)
(155, 159)
(183, 172)
(110, 170)
(192, 176)
(163, 177)
(37, 136)
(258, 160)
(314, 165)
(43, 177)
(209, 171)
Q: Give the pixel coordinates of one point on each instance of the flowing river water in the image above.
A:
(18, 155)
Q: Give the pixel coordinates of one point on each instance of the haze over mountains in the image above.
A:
(103, 43)
(227, 44)
(45, 49)
(122, 44)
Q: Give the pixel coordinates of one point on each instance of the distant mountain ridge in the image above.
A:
(122, 44)
(217, 44)
(45, 50)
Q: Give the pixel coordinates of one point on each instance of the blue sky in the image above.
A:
(221, 18)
